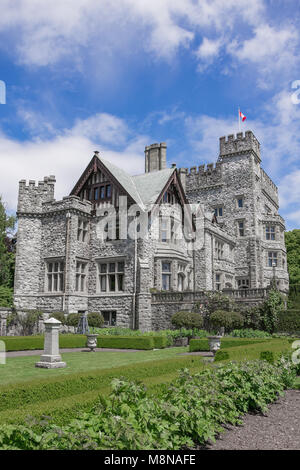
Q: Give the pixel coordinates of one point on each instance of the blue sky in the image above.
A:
(115, 76)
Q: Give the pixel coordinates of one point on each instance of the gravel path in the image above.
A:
(279, 429)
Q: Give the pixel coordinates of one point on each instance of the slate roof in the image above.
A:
(144, 189)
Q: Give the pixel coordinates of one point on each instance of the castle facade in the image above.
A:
(135, 247)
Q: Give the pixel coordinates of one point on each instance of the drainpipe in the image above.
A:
(134, 276)
(68, 217)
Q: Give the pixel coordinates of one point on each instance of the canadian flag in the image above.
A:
(242, 116)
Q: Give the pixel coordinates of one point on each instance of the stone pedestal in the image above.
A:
(51, 359)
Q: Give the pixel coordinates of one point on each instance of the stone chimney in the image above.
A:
(155, 157)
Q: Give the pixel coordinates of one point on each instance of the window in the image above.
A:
(108, 190)
(83, 228)
(240, 202)
(218, 281)
(55, 276)
(168, 229)
(96, 194)
(166, 276)
(272, 259)
(180, 282)
(111, 276)
(219, 250)
(110, 318)
(80, 276)
(243, 283)
(270, 232)
(241, 227)
(219, 211)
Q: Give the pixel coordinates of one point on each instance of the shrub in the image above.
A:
(95, 320)
(229, 320)
(29, 321)
(187, 320)
(270, 310)
(227, 342)
(6, 296)
(267, 356)
(123, 342)
(249, 333)
(58, 316)
(26, 343)
(289, 321)
(221, 356)
(73, 319)
(204, 402)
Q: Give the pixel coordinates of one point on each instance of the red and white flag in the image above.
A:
(243, 118)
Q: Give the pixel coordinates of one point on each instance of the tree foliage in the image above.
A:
(7, 256)
(292, 241)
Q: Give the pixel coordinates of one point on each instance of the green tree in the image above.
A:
(7, 255)
(292, 241)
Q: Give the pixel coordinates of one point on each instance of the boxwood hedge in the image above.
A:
(25, 343)
(203, 345)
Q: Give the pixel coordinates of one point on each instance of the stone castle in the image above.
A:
(75, 255)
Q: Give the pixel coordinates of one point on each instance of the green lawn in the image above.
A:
(21, 369)
(60, 393)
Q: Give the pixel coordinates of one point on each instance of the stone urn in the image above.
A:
(214, 343)
(91, 341)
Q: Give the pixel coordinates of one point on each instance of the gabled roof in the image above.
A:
(150, 185)
(144, 189)
(124, 179)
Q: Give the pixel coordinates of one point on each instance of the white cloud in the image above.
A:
(209, 48)
(272, 50)
(46, 32)
(67, 154)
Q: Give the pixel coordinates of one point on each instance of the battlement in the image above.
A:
(240, 143)
(32, 195)
(68, 203)
(266, 179)
(204, 170)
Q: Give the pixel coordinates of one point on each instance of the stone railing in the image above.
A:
(259, 293)
(196, 296)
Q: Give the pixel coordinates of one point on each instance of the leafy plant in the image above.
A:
(249, 333)
(187, 320)
(192, 410)
(228, 320)
(271, 309)
(95, 320)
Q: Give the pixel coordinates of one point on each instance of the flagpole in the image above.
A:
(239, 121)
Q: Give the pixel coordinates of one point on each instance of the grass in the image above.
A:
(62, 393)
(22, 369)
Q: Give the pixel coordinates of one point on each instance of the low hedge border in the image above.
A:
(203, 344)
(27, 343)
(35, 398)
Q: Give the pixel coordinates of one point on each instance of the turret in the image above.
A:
(155, 157)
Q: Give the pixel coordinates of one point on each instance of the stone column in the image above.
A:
(51, 359)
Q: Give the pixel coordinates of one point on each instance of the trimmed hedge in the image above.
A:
(127, 342)
(221, 356)
(63, 396)
(27, 343)
(267, 356)
(289, 321)
(203, 344)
